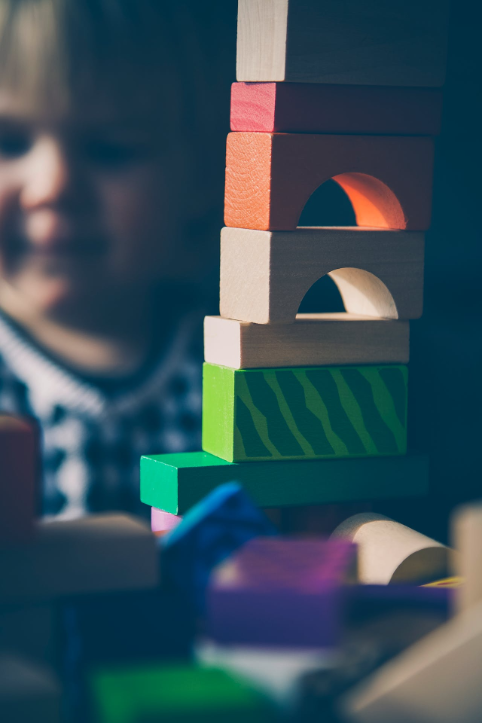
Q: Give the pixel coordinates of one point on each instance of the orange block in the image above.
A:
(271, 176)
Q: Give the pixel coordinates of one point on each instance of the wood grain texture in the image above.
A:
(305, 108)
(265, 275)
(389, 552)
(435, 680)
(177, 481)
(467, 540)
(89, 555)
(270, 177)
(313, 340)
(19, 467)
(400, 43)
(304, 413)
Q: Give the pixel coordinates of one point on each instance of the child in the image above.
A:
(101, 207)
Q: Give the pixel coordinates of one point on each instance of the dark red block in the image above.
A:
(314, 108)
(19, 460)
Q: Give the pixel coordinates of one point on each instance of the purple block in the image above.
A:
(280, 591)
(160, 520)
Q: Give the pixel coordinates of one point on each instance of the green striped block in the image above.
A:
(304, 413)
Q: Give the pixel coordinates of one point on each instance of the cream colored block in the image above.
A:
(89, 555)
(266, 274)
(467, 540)
(389, 552)
(436, 680)
(313, 340)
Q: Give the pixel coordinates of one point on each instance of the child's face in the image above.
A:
(87, 202)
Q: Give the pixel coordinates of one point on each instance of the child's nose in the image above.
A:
(48, 176)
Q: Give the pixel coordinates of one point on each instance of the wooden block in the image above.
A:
(275, 671)
(304, 413)
(265, 275)
(176, 693)
(369, 43)
(270, 177)
(162, 521)
(467, 540)
(210, 532)
(19, 465)
(66, 558)
(305, 108)
(281, 592)
(28, 692)
(436, 680)
(313, 340)
(390, 552)
(177, 481)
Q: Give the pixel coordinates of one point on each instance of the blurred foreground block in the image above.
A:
(19, 460)
(281, 592)
(389, 552)
(467, 538)
(210, 532)
(177, 481)
(176, 694)
(28, 693)
(436, 680)
(65, 558)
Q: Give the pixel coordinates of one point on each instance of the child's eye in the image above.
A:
(112, 155)
(14, 144)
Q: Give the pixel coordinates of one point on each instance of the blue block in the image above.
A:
(210, 531)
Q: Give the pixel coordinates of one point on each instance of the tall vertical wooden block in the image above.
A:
(19, 462)
(304, 413)
(400, 43)
(270, 177)
(467, 540)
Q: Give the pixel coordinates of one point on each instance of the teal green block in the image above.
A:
(178, 481)
(176, 694)
(304, 413)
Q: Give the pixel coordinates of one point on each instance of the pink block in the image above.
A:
(160, 520)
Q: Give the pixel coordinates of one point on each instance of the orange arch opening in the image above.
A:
(374, 204)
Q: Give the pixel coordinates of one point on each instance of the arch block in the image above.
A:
(266, 274)
(271, 176)
(304, 413)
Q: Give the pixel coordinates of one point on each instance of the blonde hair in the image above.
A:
(62, 50)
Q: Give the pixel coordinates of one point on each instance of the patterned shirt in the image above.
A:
(92, 438)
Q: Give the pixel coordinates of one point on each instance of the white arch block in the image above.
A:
(389, 552)
(266, 274)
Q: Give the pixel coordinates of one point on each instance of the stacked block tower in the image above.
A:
(312, 408)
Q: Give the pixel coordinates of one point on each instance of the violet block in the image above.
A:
(282, 592)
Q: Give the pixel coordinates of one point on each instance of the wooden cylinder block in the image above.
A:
(467, 539)
(389, 552)
(270, 177)
(265, 275)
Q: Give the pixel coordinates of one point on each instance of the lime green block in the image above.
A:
(177, 481)
(176, 694)
(304, 413)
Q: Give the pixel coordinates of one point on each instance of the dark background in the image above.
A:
(445, 400)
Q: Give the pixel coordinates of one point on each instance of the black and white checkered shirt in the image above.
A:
(92, 438)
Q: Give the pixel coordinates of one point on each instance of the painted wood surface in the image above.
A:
(270, 177)
(177, 481)
(313, 340)
(281, 592)
(399, 43)
(389, 552)
(265, 275)
(19, 467)
(306, 108)
(304, 413)
(89, 555)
